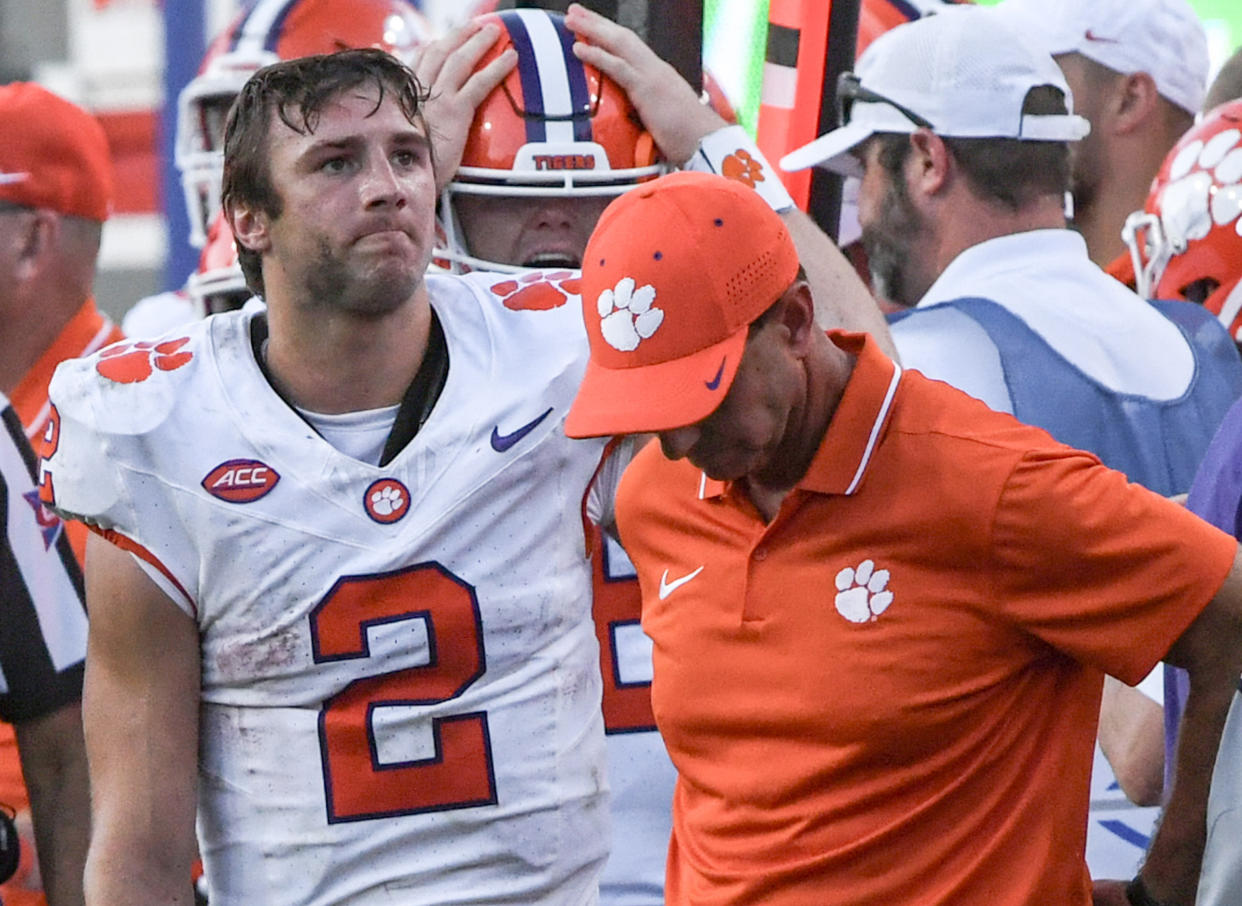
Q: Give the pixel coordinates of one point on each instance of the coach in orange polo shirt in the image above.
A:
(881, 612)
(55, 194)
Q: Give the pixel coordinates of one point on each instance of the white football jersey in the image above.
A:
(640, 772)
(401, 693)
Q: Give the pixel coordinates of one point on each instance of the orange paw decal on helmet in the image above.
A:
(538, 290)
(131, 363)
(742, 167)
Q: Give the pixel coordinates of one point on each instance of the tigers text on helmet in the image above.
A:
(1186, 243)
(554, 127)
(263, 33)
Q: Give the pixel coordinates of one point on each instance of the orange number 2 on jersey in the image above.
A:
(459, 773)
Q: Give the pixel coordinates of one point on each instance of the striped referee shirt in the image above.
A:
(42, 615)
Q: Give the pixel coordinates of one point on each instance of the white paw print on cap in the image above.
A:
(627, 316)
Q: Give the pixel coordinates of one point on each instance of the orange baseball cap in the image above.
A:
(54, 154)
(672, 277)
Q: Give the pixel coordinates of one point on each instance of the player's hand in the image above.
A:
(446, 68)
(669, 107)
(1109, 893)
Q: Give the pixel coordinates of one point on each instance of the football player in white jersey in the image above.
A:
(346, 600)
(501, 212)
(366, 565)
(531, 183)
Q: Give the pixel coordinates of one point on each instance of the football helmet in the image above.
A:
(263, 33)
(1186, 243)
(218, 284)
(555, 126)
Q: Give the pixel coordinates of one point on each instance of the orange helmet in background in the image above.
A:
(218, 284)
(1186, 243)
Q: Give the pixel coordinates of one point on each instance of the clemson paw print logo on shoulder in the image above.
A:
(627, 315)
(538, 290)
(862, 592)
(132, 363)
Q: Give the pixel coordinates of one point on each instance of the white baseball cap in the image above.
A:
(1163, 38)
(963, 73)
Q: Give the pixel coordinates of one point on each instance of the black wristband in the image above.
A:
(1138, 894)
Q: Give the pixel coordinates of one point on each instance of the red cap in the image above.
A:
(53, 155)
(674, 274)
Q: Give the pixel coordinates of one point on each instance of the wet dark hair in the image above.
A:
(298, 91)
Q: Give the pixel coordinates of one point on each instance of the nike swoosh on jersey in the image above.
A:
(6, 178)
(667, 587)
(715, 382)
(504, 442)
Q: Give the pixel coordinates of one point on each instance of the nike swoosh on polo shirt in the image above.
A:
(667, 587)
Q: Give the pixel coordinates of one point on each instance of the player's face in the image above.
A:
(541, 231)
(356, 228)
(747, 433)
(893, 231)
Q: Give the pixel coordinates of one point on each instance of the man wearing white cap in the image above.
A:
(1138, 70)
(960, 131)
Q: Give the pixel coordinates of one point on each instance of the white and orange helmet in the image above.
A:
(554, 126)
(1186, 243)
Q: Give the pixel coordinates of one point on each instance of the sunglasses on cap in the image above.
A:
(850, 89)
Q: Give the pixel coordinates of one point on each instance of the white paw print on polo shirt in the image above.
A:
(862, 593)
(387, 500)
(627, 316)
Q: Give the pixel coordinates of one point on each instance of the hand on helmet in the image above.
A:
(669, 107)
(446, 68)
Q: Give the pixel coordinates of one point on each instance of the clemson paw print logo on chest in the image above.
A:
(627, 314)
(742, 167)
(1189, 206)
(862, 592)
(386, 500)
(132, 363)
(538, 291)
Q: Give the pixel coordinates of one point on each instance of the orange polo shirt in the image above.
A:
(87, 331)
(888, 695)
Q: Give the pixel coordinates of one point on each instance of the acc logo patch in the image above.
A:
(132, 363)
(538, 291)
(387, 500)
(240, 480)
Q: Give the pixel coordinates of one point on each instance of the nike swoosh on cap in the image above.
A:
(715, 382)
(7, 178)
(667, 587)
(504, 442)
